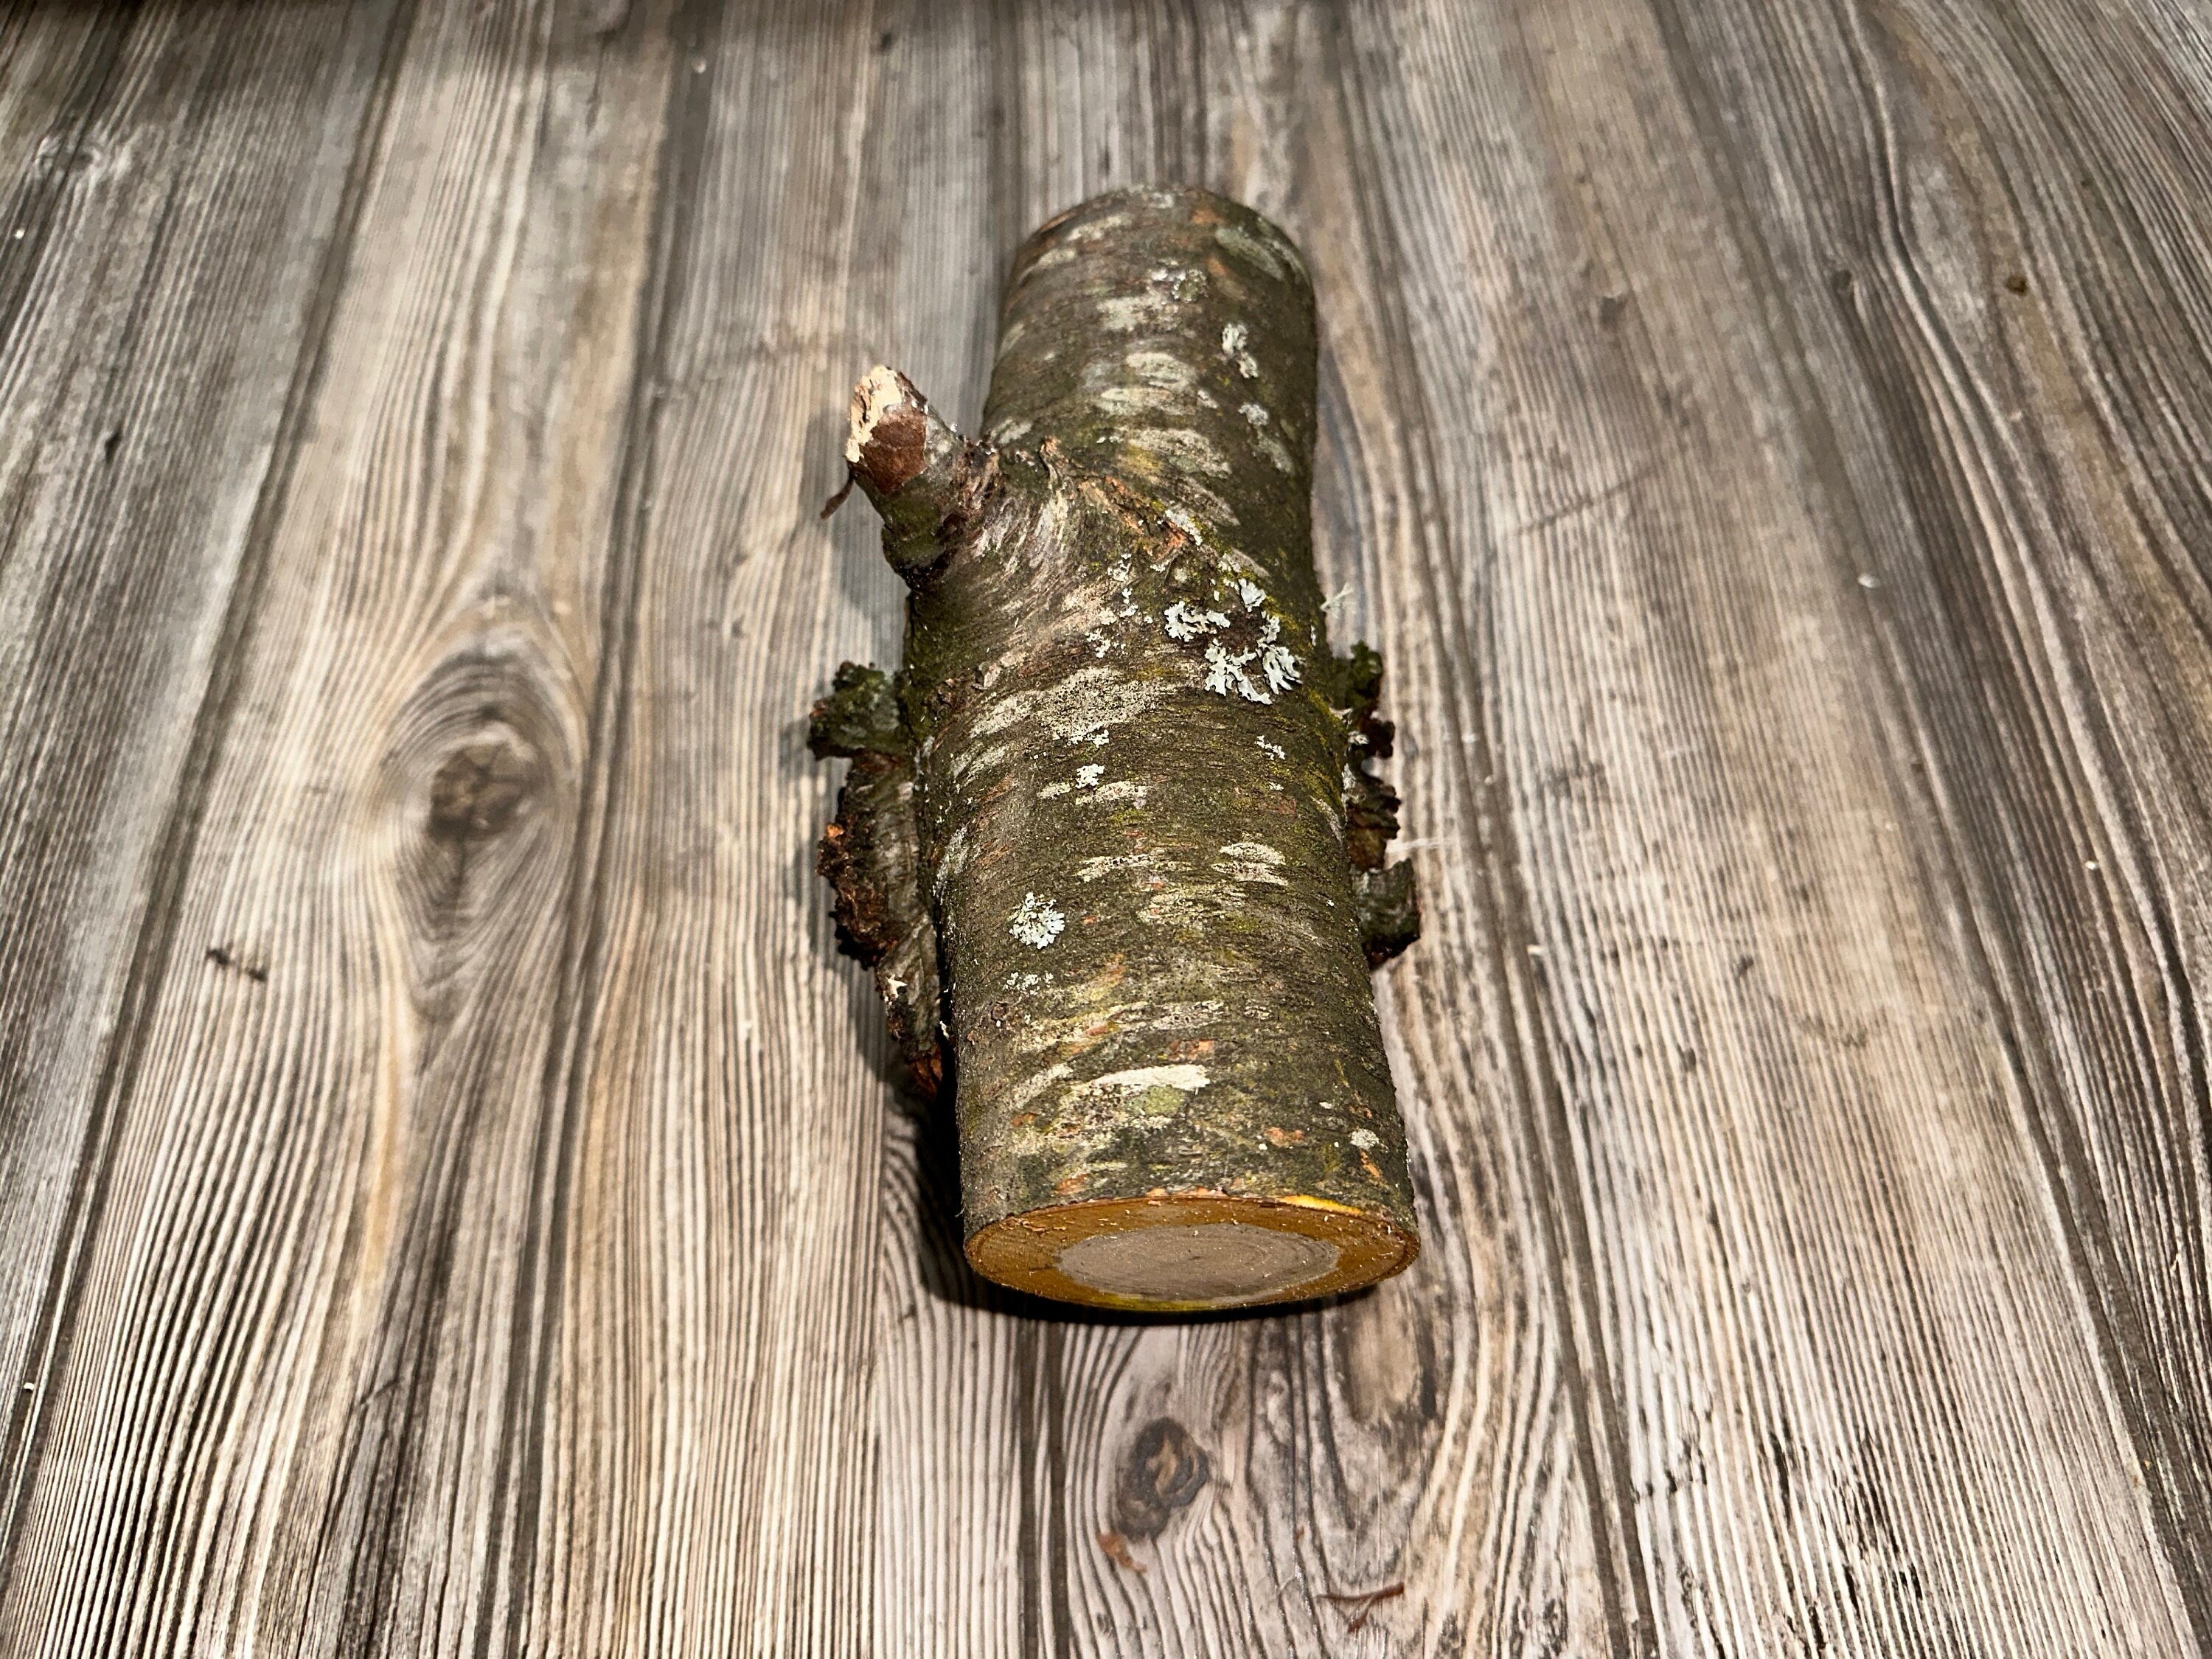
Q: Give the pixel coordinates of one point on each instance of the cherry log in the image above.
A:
(1112, 837)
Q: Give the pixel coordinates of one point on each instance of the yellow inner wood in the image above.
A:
(1190, 1252)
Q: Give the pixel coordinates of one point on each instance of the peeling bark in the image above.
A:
(1111, 838)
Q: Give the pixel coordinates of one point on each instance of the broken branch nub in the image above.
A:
(912, 467)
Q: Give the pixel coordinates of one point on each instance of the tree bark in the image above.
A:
(1110, 837)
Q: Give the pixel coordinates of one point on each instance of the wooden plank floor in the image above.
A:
(451, 1201)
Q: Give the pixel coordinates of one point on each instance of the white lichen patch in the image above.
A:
(1031, 1086)
(1254, 414)
(1227, 675)
(1235, 338)
(1104, 225)
(1182, 280)
(1249, 248)
(1086, 777)
(1230, 673)
(1161, 370)
(1185, 622)
(1183, 521)
(1009, 433)
(1077, 709)
(1120, 790)
(1274, 749)
(1251, 593)
(1136, 402)
(1257, 850)
(1127, 314)
(1190, 907)
(1026, 982)
(1054, 791)
(1123, 603)
(1278, 457)
(1251, 860)
(1188, 1016)
(1367, 1139)
(1037, 921)
(1157, 383)
(976, 757)
(1180, 445)
(1098, 868)
(1186, 1079)
(1062, 255)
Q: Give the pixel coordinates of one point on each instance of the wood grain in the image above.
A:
(450, 1199)
(698, 1450)
(2010, 334)
(269, 1418)
(1824, 1271)
(169, 243)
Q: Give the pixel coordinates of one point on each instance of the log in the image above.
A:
(1111, 837)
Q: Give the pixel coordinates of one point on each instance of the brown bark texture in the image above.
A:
(1112, 837)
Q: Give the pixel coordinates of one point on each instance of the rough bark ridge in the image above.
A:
(1111, 834)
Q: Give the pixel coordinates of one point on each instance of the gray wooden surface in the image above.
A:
(450, 1199)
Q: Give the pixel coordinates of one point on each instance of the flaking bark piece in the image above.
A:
(869, 855)
(860, 715)
(1111, 838)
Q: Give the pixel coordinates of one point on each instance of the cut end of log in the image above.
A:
(1191, 1252)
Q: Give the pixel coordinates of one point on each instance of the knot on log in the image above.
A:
(860, 713)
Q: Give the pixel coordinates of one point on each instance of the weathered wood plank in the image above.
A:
(1999, 279)
(173, 207)
(1860, 1399)
(697, 1470)
(272, 1419)
(449, 1198)
(955, 1408)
